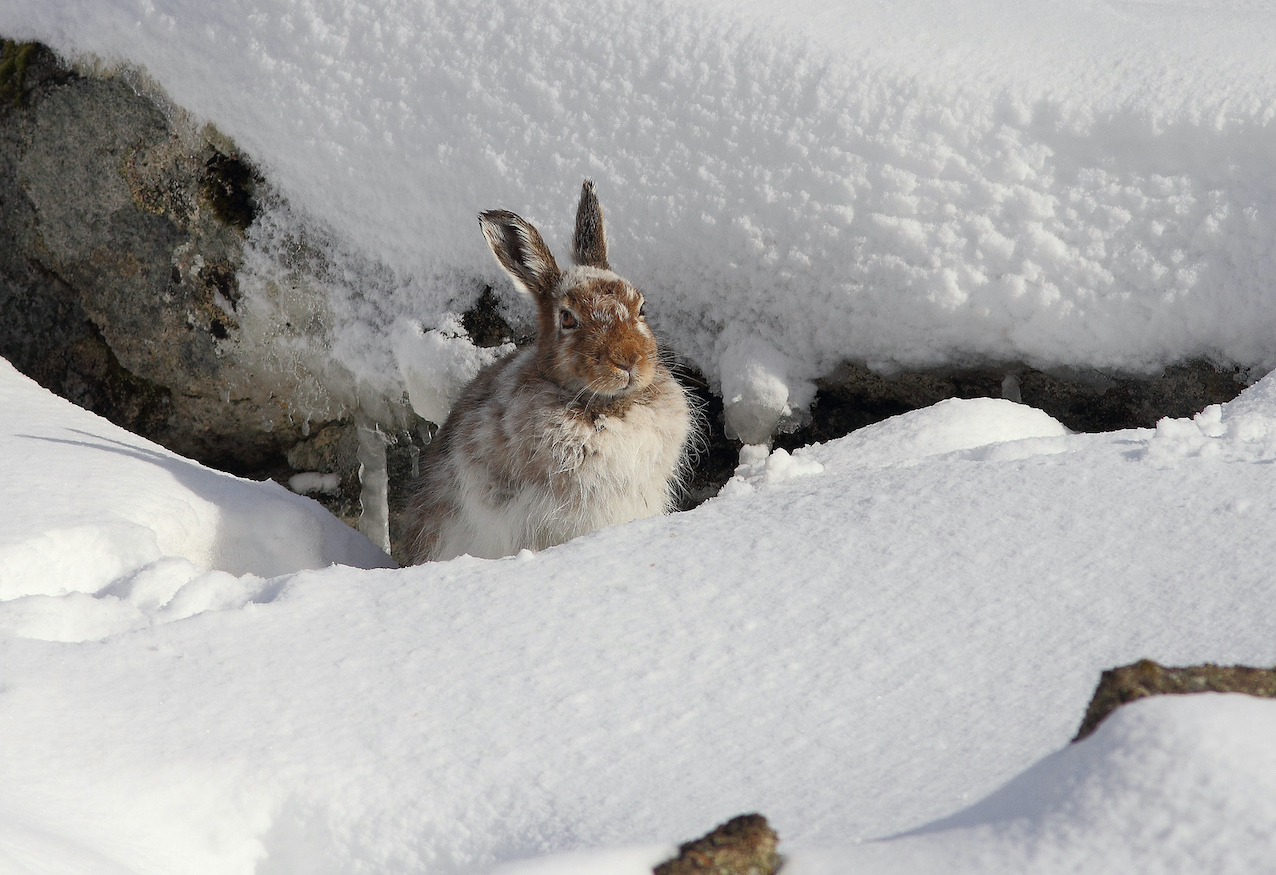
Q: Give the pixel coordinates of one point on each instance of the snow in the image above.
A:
(756, 390)
(897, 625)
(1074, 184)
(105, 531)
(1191, 778)
(883, 643)
(308, 482)
(437, 364)
(759, 466)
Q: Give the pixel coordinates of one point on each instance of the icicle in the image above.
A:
(374, 484)
(1010, 389)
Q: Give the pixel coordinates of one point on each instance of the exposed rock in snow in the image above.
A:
(1146, 678)
(744, 845)
(123, 234)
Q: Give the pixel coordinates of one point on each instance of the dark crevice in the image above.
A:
(230, 185)
(855, 396)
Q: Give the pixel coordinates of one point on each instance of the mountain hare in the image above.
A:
(585, 429)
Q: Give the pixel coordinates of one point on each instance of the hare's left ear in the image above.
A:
(519, 248)
(589, 244)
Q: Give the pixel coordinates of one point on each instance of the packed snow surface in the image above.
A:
(1083, 183)
(897, 632)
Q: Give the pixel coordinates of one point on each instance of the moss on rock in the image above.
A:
(14, 59)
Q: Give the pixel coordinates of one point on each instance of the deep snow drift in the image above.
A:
(861, 639)
(916, 183)
(858, 640)
(92, 510)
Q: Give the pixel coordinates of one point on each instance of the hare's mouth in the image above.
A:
(615, 381)
(614, 385)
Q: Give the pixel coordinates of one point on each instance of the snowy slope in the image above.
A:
(104, 531)
(907, 184)
(885, 631)
(1166, 785)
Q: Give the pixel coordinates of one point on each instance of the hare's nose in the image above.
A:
(625, 363)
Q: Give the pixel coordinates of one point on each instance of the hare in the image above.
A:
(587, 428)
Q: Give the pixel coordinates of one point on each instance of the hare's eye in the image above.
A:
(642, 310)
(567, 319)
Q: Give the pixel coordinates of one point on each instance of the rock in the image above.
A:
(1118, 686)
(744, 845)
(121, 238)
(334, 449)
(487, 327)
(854, 396)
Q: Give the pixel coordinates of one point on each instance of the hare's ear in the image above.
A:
(589, 245)
(521, 251)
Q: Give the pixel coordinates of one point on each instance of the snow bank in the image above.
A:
(1172, 784)
(105, 531)
(856, 651)
(904, 184)
(986, 428)
(957, 424)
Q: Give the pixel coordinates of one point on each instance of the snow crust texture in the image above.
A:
(908, 184)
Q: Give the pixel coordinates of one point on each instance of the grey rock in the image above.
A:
(121, 236)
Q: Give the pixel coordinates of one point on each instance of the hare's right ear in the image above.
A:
(521, 251)
(589, 243)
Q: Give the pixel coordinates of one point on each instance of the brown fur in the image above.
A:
(589, 243)
(589, 429)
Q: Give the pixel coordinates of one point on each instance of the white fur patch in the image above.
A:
(582, 273)
(620, 468)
